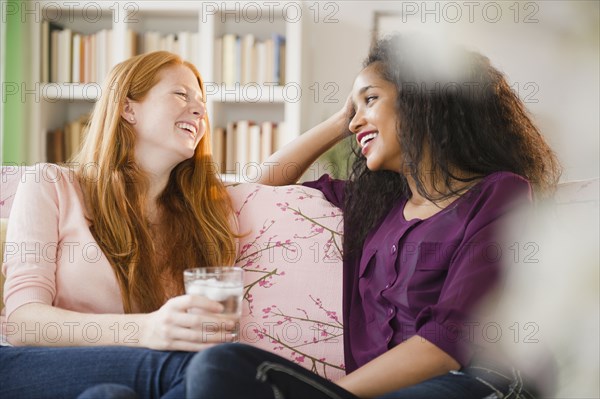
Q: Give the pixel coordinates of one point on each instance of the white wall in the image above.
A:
(553, 58)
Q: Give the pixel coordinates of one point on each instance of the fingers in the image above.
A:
(201, 321)
(176, 337)
(345, 116)
(349, 106)
(190, 323)
(185, 302)
(211, 334)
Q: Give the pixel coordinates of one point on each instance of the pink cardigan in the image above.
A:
(51, 256)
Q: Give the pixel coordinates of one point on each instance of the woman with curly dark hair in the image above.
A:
(445, 154)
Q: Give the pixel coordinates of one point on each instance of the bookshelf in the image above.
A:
(56, 104)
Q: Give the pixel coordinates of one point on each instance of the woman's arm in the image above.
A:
(289, 163)
(171, 327)
(413, 361)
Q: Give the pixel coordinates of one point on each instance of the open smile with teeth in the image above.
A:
(368, 137)
(193, 130)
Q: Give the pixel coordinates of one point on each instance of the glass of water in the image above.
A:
(220, 284)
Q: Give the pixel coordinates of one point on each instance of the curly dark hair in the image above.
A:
(458, 112)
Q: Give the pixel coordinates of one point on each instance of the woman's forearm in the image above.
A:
(409, 363)
(288, 164)
(37, 324)
(183, 323)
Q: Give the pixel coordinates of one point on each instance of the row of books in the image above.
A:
(72, 57)
(186, 44)
(244, 143)
(63, 143)
(244, 59)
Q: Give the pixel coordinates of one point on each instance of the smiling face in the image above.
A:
(169, 121)
(375, 120)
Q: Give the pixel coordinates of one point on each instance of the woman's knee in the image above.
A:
(219, 357)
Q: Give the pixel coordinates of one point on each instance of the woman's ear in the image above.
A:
(128, 112)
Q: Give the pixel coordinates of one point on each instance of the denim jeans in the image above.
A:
(108, 372)
(241, 371)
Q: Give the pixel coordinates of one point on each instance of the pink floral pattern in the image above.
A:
(291, 254)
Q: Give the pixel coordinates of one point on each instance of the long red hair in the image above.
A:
(195, 227)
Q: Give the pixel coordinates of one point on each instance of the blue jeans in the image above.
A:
(40, 372)
(241, 371)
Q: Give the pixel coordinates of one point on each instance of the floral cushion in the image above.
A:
(291, 254)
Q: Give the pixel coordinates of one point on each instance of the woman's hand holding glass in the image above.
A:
(188, 323)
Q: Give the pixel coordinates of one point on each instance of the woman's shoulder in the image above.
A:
(48, 178)
(332, 189)
(505, 179)
(47, 173)
(503, 185)
(499, 190)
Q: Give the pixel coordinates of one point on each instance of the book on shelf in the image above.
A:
(254, 144)
(87, 57)
(260, 62)
(248, 60)
(49, 51)
(53, 64)
(103, 60)
(131, 43)
(238, 60)
(187, 47)
(279, 61)
(218, 148)
(76, 62)
(266, 140)
(230, 146)
(269, 70)
(65, 38)
(55, 146)
(241, 141)
(281, 136)
(63, 143)
(218, 61)
(244, 142)
(228, 62)
(150, 42)
(93, 61)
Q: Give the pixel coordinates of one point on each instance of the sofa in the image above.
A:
(291, 254)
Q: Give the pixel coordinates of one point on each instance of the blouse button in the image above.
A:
(394, 249)
(387, 286)
(391, 311)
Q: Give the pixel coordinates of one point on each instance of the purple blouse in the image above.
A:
(423, 277)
